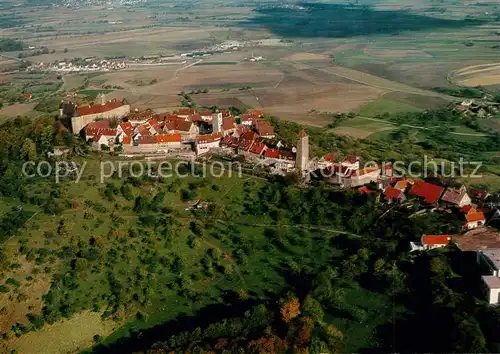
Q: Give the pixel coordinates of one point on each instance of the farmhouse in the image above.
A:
(428, 242)
(392, 194)
(456, 196)
(430, 193)
(489, 260)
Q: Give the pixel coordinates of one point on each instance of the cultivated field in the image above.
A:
(477, 75)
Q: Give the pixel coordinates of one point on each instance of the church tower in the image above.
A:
(302, 162)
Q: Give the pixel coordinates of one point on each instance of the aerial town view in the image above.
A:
(261, 176)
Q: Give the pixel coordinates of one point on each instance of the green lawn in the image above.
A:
(382, 106)
(92, 94)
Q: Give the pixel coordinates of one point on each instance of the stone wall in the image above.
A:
(78, 123)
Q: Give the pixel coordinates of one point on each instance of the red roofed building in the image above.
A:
(230, 141)
(206, 142)
(474, 219)
(229, 125)
(272, 153)
(126, 128)
(428, 242)
(430, 193)
(435, 241)
(169, 116)
(365, 190)
(185, 112)
(363, 176)
(351, 161)
(28, 96)
(168, 139)
(393, 194)
(245, 145)
(195, 118)
(187, 129)
(126, 140)
(248, 119)
(258, 148)
(84, 115)
(456, 196)
(145, 140)
(265, 129)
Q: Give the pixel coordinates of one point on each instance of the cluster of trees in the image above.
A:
(10, 45)
(462, 91)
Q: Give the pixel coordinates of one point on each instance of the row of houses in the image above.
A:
(150, 132)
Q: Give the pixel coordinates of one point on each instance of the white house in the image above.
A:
(456, 196)
(489, 260)
(429, 242)
(204, 143)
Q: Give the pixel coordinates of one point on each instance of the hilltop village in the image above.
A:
(188, 133)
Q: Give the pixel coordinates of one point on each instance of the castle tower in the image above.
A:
(101, 99)
(302, 162)
(217, 122)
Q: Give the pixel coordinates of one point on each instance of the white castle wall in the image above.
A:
(78, 123)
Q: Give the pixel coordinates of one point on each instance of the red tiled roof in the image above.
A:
(365, 190)
(473, 217)
(352, 159)
(98, 108)
(208, 138)
(146, 139)
(245, 144)
(436, 239)
(392, 193)
(153, 123)
(241, 129)
(205, 114)
(249, 135)
(479, 194)
(195, 118)
(169, 116)
(454, 195)
(225, 114)
(429, 192)
(168, 138)
(185, 111)
(93, 127)
(97, 137)
(179, 125)
(467, 208)
(264, 128)
(329, 157)
(272, 153)
(228, 123)
(143, 130)
(127, 128)
(257, 113)
(127, 139)
(257, 148)
(230, 140)
(248, 118)
(28, 95)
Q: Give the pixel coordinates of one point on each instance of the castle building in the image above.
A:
(83, 115)
(217, 122)
(302, 163)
